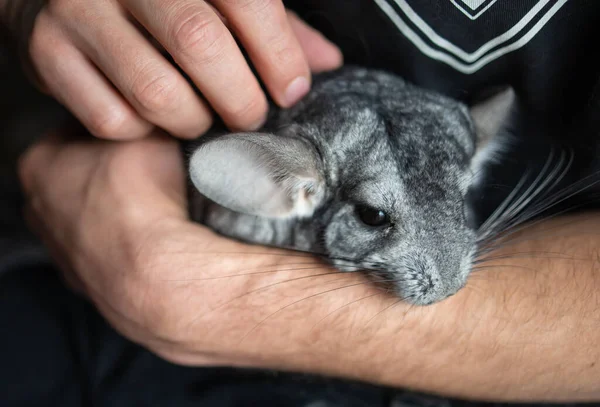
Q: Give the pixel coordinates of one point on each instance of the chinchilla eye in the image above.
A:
(372, 216)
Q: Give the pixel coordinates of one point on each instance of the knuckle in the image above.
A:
(108, 124)
(68, 11)
(247, 112)
(199, 33)
(58, 7)
(156, 93)
(202, 124)
(285, 54)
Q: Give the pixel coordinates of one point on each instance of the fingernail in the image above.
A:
(296, 90)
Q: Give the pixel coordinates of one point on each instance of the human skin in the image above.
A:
(525, 328)
(105, 60)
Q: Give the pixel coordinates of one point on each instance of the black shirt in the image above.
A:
(546, 49)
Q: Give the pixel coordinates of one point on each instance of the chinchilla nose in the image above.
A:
(426, 281)
(432, 294)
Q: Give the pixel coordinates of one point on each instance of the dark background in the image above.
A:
(25, 114)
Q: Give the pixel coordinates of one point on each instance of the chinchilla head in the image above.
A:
(368, 170)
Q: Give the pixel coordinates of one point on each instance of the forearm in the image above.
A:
(526, 328)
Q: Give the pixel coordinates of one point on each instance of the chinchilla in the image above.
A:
(368, 171)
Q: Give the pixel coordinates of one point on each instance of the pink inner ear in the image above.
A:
(260, 175)
(306, 196)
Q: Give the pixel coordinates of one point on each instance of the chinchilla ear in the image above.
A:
(491, 112)
(259, 174)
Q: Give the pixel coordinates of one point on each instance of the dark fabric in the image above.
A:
(554, 71)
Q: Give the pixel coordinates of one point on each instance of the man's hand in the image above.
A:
(526, 327)
(114, 216)
(102, 60)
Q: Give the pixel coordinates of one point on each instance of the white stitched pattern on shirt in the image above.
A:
(436, 47)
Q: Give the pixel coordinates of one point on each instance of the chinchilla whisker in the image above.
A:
(298, 253)
(532, 254)
(511, 266)
(277, 270)
(565, 194)
(530, 192)
(539, 188)
(535, 212)
(519, 214)
(566, 210)
(574, 185)
(508, 239)
(292, 253)
(266, 287)
(308, 254)
(510, 231)
(486, 257)
(387, 308)
(485, 228)
(472, 286)
(342, 307)
(532, 237)
(509, 215)
(297, 302)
